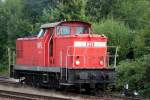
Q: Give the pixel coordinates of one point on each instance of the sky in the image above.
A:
(3, 0)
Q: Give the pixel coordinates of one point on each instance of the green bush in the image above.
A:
(118, 34)
(3, 69)
(129, 72)
(136, 74)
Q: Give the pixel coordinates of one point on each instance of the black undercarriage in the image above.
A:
(78, 78)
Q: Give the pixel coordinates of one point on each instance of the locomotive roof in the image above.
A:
(58, 23)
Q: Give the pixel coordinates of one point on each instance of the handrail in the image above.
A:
(85, 53)
(74, 54)
(115, 55)
(61, 64)
(115, 60)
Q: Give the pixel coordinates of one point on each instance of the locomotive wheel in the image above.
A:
(28, 80)
(110, 87)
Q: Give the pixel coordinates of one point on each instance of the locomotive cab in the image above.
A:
(65, 53)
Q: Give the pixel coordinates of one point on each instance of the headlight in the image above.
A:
(77, 62)
(101, 62)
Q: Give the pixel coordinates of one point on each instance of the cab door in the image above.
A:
(51, 48)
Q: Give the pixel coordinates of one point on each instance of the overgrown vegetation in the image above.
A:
(118, 33)
(135, 73)
(125, 22)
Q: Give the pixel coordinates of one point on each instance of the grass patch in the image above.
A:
(4, 70)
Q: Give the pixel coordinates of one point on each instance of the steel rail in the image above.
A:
(27, 96)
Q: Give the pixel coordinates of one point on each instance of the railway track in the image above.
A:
(105, 96)
(17, 95)
(8, 81)
(26, 96)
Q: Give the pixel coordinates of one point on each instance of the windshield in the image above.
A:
(63, 30)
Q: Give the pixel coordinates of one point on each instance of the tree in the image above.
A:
(141, 42)
(118, 34)
(99, 9)
(3, 33)
(71, 10)
(33, 9)
(133, 12)
(136, 74)
(17, 26)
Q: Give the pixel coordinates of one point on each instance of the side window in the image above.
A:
(41, 33)
(63, 30)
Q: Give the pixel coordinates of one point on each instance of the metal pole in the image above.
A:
(66, 66)
(61, 63)
(9, 59)
(14, 57)
(115, 60)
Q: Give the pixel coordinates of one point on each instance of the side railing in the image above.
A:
(114, 55)
(73, 55)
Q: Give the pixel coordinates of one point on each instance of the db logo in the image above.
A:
(90, 44)
(39, 45)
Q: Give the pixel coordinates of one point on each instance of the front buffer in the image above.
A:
(89, 78)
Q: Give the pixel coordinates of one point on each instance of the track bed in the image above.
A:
(23, 92)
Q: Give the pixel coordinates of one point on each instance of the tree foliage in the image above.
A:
(99, 9)
(118, 34)
(70, 10)
(133, 12)
(3, 34)
(136, 74)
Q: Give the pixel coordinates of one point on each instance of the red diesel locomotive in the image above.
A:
(64, 53)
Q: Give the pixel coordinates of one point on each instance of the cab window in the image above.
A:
(81, 30)
(63, 30)
(41, 33)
